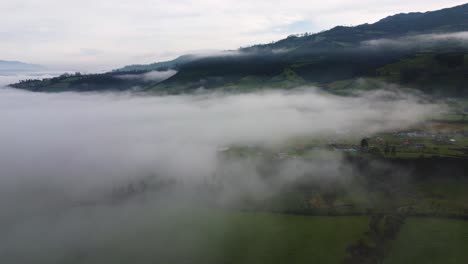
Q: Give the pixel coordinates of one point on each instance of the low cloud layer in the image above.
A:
(59, 151)
(9, 78)
(113, 133)
(424, 40)
(152, 76)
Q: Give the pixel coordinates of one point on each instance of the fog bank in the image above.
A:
(60, 151)
(152, 76)
(421, 40)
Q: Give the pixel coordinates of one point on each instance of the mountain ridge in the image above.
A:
(325, 58)
(11, 66)
(335, 30)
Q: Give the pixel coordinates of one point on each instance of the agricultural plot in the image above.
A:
(220, 237)
(426, 240)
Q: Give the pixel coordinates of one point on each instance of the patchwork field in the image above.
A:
(430, 241)
(232, 238)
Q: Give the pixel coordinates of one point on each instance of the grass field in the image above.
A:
(232, 238)
(430, 241)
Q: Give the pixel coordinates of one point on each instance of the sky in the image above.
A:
(92, 35)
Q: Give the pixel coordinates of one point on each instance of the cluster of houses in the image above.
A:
(344, 147)
(415, 140)
(437, 138)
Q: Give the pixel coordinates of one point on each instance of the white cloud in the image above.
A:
(419, 40)
(152, 76)
(114, 135)
(62, 155)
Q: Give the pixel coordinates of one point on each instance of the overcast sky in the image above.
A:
(103, 34)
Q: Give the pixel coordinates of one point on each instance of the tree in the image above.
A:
(387, 148)
(364, 143)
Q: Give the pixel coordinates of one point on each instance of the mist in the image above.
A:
(422, 40)
(152, 76)
(62, 155)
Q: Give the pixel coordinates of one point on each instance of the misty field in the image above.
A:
(431, 241)
(129, 179)
(218, 237)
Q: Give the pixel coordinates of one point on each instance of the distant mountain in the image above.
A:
(427, 51)
(16, 66)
